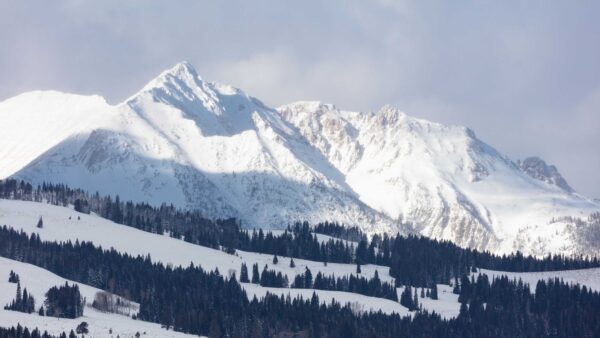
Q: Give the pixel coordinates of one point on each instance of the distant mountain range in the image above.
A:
(199, 144)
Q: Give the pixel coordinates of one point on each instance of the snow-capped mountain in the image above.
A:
(199, 144)
(442, 179)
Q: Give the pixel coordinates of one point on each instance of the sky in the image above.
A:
(524, 75)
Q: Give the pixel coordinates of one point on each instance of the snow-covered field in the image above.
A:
(38, 281)
(102, 232)
(58, 227)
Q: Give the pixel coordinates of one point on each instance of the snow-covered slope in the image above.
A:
(443, 180)
(198, 144)
(22, 215)
(63, 224)
(192, 143)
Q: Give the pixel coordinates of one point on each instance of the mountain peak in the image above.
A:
(182, 69)
(538, 169)
(181, 75)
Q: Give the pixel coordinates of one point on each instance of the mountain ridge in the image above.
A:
(198, 144)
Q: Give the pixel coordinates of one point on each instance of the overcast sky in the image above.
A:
(524, 75)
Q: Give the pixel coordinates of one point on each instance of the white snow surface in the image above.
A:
(23, 215)
(198, 144)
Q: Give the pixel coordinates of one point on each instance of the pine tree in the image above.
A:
(255, 274)
(434, 292)
(406, 298)
(308, 278)
(244, 274)
(264, 277)
(13, 277)
(415, 300)
(18, 298)
(456, 289)
(275, 260)
(40, 223)
(358, 271)
(292, 264)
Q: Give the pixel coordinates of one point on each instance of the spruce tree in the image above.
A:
(308, 278)
(415, 300)
(255, 274)
(406, 298)
(434, 292)
(13, 277)
(275, 260)
(18, 297)
(456, 289)
(244, 274)
(292, 264)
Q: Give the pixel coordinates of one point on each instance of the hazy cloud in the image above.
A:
(524, 75)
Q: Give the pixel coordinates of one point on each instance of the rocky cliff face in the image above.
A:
(538, 169)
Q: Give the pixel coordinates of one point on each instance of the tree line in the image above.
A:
(196, 301)
(23, 332)
(23, 302)
(372, 287)
(439, 261)
(555, 309)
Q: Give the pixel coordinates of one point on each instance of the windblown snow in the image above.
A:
(198, 144)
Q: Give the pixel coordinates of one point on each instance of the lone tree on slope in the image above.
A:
(82, 328)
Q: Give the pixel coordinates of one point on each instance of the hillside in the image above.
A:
(64, 224)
